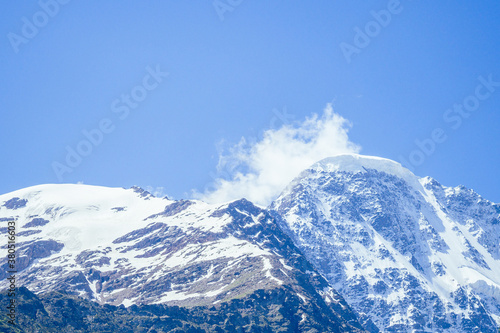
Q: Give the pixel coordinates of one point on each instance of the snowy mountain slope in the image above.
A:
(405, 252)
(124, 246)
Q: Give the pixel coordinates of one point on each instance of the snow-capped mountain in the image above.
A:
(405, 252)
(126, 247)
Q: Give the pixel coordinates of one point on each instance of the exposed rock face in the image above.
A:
(406, 253)
(15, 203)
(126, 247)
(36, 222)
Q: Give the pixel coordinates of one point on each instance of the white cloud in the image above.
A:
(158, 192)
(260, 170)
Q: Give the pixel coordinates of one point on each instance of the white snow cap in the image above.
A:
(360, 163)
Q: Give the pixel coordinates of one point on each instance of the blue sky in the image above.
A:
(398, 72)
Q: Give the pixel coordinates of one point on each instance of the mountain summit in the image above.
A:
(354, 242)
(405, 252)
(124, 247)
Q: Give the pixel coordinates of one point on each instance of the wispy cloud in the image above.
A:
(260, 170)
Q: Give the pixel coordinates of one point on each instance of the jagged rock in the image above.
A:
(157, 252)
(405, 252)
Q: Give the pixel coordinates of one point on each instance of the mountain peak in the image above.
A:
(355, 163)
(406, 252)
(359, 163)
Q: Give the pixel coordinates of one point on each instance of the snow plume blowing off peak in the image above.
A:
(260, 170)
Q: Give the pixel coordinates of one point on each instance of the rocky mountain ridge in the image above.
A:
(125, 247)
(405, 252)
(353, 243)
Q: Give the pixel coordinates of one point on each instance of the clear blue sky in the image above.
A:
(228, 71)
